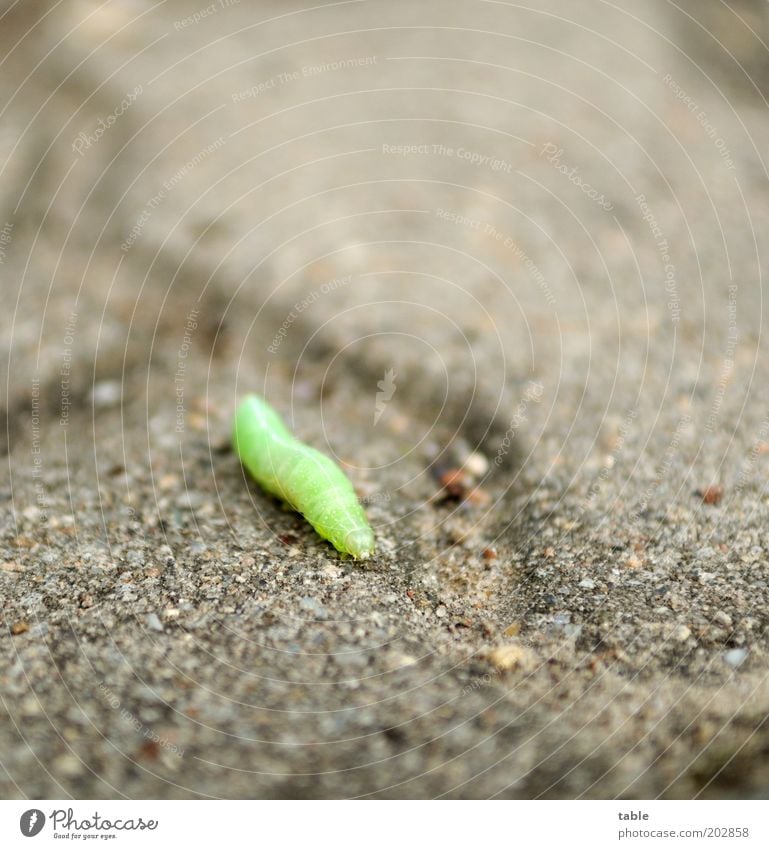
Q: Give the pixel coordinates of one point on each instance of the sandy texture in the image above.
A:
(548, 224)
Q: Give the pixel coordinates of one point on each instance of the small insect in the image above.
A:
(307, 480)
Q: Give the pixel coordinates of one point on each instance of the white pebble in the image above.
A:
(736, 657)
(477, 464)
(153, 622)
(107, 393)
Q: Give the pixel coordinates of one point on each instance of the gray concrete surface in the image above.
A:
(550, 222)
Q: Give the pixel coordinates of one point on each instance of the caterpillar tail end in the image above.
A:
(360, 543)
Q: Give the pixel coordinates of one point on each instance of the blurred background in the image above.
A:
(505, 262)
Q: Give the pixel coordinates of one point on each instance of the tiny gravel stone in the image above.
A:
(153, 622)
(190, 500)
(587, 584)
(736, 657)
(455, 482)
(106, 394)
(477, 464)
(509, 657)
(313, 606)
(681, 634)
(723, 619)
(711, 495)
(68, 765)
(572, 631)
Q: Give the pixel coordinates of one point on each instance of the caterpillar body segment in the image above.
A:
(300, 475)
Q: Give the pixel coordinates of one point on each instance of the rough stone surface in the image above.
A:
(577, 615)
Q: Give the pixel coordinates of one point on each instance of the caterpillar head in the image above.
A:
(360, 543)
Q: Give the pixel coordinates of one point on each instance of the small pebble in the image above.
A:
(107, 393)
(314, 607)
(572, 631)
(477, 464)
(478, 497)
(681, 634)
(509, 657)
(587, 584)
(711, 494)
(723, 619)
(149, 750)
(190, 500)
(19, 628)
(153, 622)
(168, 482)
(68, 766)
(455, 483)
(736, 657)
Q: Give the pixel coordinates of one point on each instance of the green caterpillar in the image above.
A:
(303, 477)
